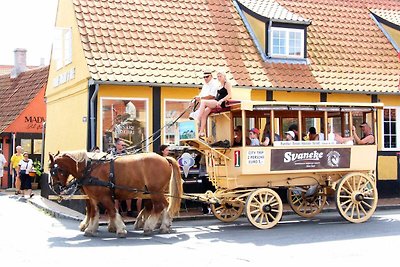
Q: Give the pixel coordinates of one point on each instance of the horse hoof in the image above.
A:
(89, 234)
(147, 232)
(83, 227)
(112, 229)
(122, 234)
(164, 231)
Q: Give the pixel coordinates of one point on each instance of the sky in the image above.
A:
(27, 24)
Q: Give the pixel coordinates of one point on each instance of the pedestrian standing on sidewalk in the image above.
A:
(15, 159)
(24, 167)
(3, 162)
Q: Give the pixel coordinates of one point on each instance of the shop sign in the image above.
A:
(34, 122)
(301, 159)
(255, 157)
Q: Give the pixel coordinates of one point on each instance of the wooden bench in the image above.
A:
(229, 103)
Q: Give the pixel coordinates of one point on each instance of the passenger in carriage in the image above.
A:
(295, 129)
(368, 139)
(312, 134)
(266, 136)
(290, 136)
(206, 105)
(208, 91)
(254, 137)
(237, 139)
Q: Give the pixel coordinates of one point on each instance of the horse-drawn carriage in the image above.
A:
(245, 177)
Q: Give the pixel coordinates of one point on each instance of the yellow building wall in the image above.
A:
(66, 124)
(259, 95)
(349, 98)
(67, 103)
(258, 28)
(395, 34)
(387, 168)
(67, 20)
(296, 96)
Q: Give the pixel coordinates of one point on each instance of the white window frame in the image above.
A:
(165, 116)
(62, 47)
(100, 130)
(287, 31)
(397, 129)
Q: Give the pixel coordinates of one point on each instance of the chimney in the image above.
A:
(19, 62)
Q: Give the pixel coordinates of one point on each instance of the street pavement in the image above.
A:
(58, 211)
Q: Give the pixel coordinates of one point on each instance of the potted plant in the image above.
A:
(37, 168)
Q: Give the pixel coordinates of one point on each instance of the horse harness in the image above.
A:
(89, 180)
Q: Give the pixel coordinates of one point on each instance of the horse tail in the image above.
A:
(175, 188)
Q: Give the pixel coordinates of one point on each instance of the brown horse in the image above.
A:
(147, 175)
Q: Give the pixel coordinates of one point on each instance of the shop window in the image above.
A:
(286, 42)
(126, 119)
(173, 108)
(391, 128)
(37, 146)
(27, 145)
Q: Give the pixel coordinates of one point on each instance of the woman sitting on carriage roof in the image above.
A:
(206, 105)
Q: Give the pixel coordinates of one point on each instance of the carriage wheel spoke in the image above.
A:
(349, 186)
(345, 203)
(366, 204)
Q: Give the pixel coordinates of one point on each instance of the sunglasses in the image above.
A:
(205, 77)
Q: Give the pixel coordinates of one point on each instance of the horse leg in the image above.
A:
(166, 222)
(143, 214)
(158, 206)
(115, 222)
(93, 221)
(85, 223)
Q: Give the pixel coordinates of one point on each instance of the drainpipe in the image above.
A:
(250, 30)
(92, 117)
(43, 140)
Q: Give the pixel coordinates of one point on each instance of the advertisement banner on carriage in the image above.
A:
(317, 158)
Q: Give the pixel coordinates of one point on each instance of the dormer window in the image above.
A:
(286, 43)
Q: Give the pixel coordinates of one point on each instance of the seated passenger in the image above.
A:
(290, 136)
(295, 129)
(368, 139)
(206, 105)
(237, 139)
(312, 134)
(266, 136)
(253, 134)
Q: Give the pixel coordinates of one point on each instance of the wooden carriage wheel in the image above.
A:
(356, 197)
(304, 205)
(228, 210)
(264, 208)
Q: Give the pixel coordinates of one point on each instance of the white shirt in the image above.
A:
(210, 88)
(2, 163)
(25, 166)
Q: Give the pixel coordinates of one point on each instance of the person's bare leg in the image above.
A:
(203, 121)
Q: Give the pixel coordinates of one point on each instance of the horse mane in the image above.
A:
(77, 156)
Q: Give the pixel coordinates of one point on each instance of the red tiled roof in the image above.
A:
(6, 69)
(172, 42)
(17, 93)
(166, 41)
(346, 48)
